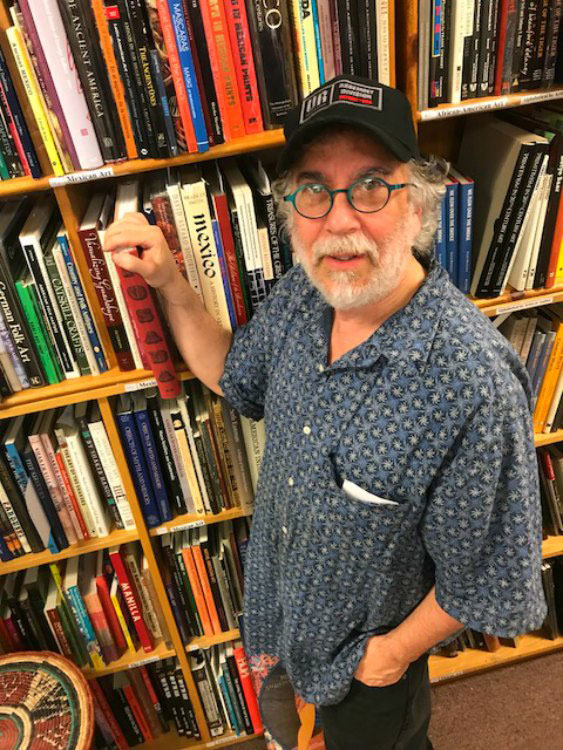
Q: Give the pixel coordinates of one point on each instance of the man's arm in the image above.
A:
(202, 342)
(388, 656)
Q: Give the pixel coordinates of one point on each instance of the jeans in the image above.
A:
(394, 717)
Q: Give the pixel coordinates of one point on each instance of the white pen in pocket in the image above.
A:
(358, 493)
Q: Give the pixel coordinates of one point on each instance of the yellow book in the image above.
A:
(551, 376)
(34, 95)
(559, 273)
(119, 612)
(305, 46)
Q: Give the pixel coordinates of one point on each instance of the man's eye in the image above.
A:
(315, 188)
(369, 184)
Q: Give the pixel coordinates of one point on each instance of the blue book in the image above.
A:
(148, 443)
(465, 191)
(34, 473)
(136, 460)
(440, 241)
(13, 441)
(13, 105)
(451, 228)
(82, 303)
(188, 72)
(318, 41)
(76, 603)
(229, 705)
(5, 554)
(534, 353)
(224, 272)
(161, 93)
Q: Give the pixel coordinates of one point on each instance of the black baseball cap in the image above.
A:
(359, 102)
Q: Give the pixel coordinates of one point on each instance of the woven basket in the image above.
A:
(45, 702)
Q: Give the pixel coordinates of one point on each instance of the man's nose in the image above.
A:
(342, 218)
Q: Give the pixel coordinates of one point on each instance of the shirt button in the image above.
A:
(284, 529)
(290, 481)
(321, 368)
(307, 430)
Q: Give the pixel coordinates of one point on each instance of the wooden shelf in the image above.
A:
(205, 641)
(513, 301)
(75, 390)
(547, 438)
(472, 660)
(191, 520)
(80, 548)
(552, 546)
(172, 741)
(487, 103)
(129, 660)
(266, 140)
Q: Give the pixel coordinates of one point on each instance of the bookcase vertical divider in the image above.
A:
(6, 22)
(406, 50)
(72, 205)
(145, 540)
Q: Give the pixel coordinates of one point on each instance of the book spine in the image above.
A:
(103, 448)
(39, 335)
(553, 29)
(229, 252)
(54, 43)
(545, 7)
(306, 46)
(185, 57)
(118, 735)
(40, 487)
(25, 71)
(137, 712)
(163, 103)
(98, 472)
(528, 42)
(100, 627)
(17, 374)
(136, 461)
(122, 622)
(231, 664)
(153, 465)
(80, 462)
(239, 33)
(27, 153)
(131, 597)
(177, 457)
(72, 473)
(82, 303)
(8, 145)
(110, 614)
(69, 501)
(248, 689)
(76, 604)
(14, 521)
(188, 555)
(69, 494)
(148, 609)
(166, 458)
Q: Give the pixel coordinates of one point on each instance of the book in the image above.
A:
(131, 596)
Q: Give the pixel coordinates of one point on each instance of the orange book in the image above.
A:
(223, 68)
(177, 76)
(113, 74)
(205, 585)
(189, 562)
(552, 371)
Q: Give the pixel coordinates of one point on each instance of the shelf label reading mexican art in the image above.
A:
(524, 304)
(181, 527)
(85, 176)
(141, 385)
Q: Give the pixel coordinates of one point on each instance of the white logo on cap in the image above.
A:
(344, 91)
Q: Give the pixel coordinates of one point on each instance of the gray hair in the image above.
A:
(428, 188)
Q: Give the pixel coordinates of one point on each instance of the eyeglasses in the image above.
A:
(367, 195)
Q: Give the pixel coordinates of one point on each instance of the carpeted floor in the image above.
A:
(512, 708)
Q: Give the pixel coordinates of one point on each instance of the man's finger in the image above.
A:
(128, 261)
(129, 235)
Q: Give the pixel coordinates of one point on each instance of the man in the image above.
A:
(398, 497)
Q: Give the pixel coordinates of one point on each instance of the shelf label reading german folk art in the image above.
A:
(85, 176)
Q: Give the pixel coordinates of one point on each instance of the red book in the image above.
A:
(13, 633)
(135, 706)
(241, 46)
(501, 44)
(248, 688)
(223, 217)
(223, 68)
(152, 695)
(60, 634)
(14, 131)
(5, 639)
(177, 76)
(109, 611)
(67, 489)
(131, 597)
(104, 707)
(94, 255)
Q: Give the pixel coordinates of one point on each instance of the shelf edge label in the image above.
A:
(77, 177)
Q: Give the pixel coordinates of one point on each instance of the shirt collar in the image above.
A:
(406, 336)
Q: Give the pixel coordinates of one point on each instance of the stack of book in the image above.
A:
(17, 153)
(92, 608)
(484, 48)
(552, 576)
(152, 78)
(59, 481)
(470, 638)
(203, 572)
(186, 455)
(550, 465)
(47, 331)
(453, 243)
(516, 161)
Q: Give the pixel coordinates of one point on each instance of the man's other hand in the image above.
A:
(380, 664)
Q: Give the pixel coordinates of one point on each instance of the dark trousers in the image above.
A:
(394, 717)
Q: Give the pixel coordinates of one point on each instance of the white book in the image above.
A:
(424, 40)
(60, 263)
(181, 402)
(383, 42)
(255, 440)
(265, 252)
(36, 232)
(55, 45)
(461, 20)
(196, 206)
(528, 337)
(83, 478)
(111, 469)
(524, 247)
(176, 203)
(241, 197)
(176, 456)
(542, 191)
(489, 152)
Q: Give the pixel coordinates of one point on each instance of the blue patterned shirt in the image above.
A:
(432, 413)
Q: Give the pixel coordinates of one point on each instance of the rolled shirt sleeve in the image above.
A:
(482, 526)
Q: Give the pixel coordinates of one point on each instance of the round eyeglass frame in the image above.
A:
(348, 191)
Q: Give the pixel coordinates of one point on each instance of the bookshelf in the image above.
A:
(439, 131)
